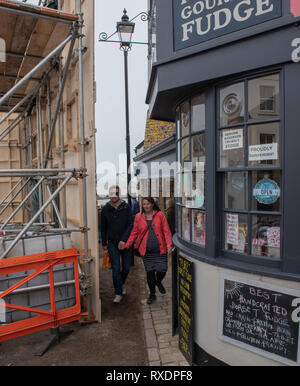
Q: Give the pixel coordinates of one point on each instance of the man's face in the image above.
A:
(114, 195)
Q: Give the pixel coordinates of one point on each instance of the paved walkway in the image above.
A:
(162, 348)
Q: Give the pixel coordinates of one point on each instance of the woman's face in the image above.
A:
(147, 206)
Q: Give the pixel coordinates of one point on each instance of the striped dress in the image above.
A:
(153, 260)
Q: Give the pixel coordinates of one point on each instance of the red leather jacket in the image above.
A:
(140, 233)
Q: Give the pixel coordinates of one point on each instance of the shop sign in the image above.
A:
(266, 191)
(264, 152)
(199, 21)
(260, 317)
(232, 139)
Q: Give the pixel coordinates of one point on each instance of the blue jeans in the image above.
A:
(120, 270)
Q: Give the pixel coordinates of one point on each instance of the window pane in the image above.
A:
(264, 144)
(236, 234)
(199, 227)
(185, 152)
(232, 104)
(266, 191)
(236, 190)
(266, 236)
(185, 119)
(198, 146)
(187, 187)
(178, 187)
(186, 233)
(199, 189)
(232, 148)
(198, 113)
(264, 98)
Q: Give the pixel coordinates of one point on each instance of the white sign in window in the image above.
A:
(233, 139)
(264, 152)
(232, 229)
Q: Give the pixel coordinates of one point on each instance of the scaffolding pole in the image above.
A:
(83, 144)
(40, 156)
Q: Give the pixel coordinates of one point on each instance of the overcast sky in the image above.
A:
(110, 107)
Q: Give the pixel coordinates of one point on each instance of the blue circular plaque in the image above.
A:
(266, 191)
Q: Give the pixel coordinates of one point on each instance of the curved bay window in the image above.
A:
(250, 162)
(245, 209)
(191, 213)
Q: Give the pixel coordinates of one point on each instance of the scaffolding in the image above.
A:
(36, 203)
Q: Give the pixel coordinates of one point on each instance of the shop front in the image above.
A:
(225, 74)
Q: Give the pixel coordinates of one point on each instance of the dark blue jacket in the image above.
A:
(116, 223)
(135, 207)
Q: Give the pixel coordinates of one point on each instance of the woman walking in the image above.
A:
(153, 241)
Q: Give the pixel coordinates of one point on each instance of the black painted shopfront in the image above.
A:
(223, 71)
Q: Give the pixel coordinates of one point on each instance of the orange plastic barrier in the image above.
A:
(45, 319)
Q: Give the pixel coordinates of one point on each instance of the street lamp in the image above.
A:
(125, 29)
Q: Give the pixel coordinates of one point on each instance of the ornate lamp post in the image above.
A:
(125, 29)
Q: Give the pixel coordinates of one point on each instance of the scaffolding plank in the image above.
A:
(30, 39)
(11, 6)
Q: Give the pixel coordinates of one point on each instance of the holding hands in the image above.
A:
(121, 245)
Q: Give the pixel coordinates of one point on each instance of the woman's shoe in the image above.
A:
(151, 299)
(161, 288)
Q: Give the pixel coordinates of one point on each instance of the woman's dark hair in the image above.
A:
(152, 201)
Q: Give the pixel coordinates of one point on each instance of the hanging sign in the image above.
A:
(266, 191)
(264, 152)
(199, 21)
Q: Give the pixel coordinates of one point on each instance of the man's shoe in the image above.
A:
(151, 299)
(118, 299)
(124, 292)
(161, 288)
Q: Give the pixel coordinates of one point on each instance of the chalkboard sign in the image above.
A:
(261, 317)
(185, 308)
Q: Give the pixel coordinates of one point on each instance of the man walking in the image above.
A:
(116, 226)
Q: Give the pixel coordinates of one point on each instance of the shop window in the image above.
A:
(191, 154)
(185, 150)
(185, 119)
(267, 99)
(232, 104)
(186, 222)
(263, 96)
(232, 151)
(199, 227)
(198, 113)
(250, 164)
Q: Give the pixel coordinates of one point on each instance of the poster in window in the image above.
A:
(199, 227)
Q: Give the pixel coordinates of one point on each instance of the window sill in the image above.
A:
(235, 265)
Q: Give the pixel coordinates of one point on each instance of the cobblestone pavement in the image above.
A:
(162, 347)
